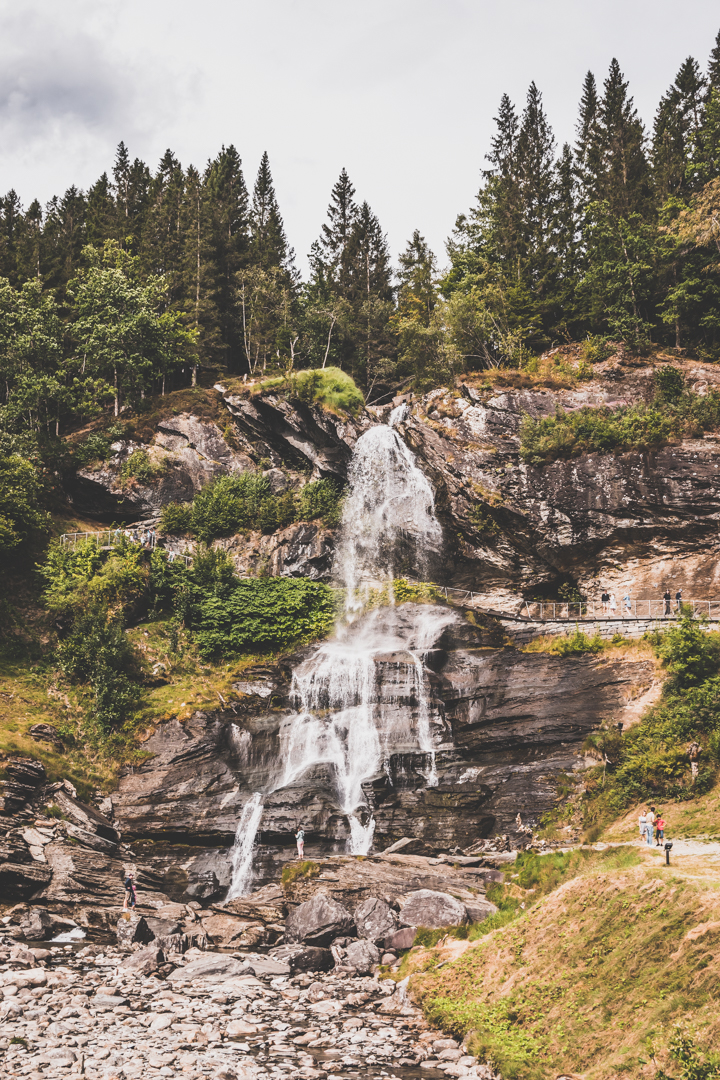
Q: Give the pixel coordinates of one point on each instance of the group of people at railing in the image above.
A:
(609, 603)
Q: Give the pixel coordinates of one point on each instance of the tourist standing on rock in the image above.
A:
(668, 602)
(604, 600)
(130, 896)
(300, 837)
(659, 830)
(642, 822)
(650, 826)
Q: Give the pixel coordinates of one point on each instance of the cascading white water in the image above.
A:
(346, 717)
(242, 852)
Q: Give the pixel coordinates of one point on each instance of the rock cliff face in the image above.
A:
(505, 727)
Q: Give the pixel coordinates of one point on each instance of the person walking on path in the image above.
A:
(642, 822)
(650, 829)
(613, 606)
(659, 830)
(668, 601)
(678, 601)
(130, 895)
(300, 838)
(627, 613)
(604, 600)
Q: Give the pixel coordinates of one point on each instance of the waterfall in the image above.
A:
(345, 717)
(242, 852)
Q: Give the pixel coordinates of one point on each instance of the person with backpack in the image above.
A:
(300, 838)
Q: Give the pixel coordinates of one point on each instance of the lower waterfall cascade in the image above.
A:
(343, 717)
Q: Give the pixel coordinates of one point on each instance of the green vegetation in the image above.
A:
(595, 348)
(652, 760)
(240, 502)
(404, 592)
(635, 427)
(299, 871)
(21, 519)
(330, 387)
(574, 644)
(139, 467)
(590, 978)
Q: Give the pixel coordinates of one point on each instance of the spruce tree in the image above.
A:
(677, 125)
(227, 202)
(199, 269)
(417, 292)
(536, 178)
(619, 173)
(268, 243)
(11, 226)
(101, 217)
(63, 237)
(162, 242)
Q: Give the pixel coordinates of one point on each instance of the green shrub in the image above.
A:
(139, 467)
(261, 615)
(298, 871)
(321, 499)
(669, 384)
(98, 652)
(482, 523)
(176, 518)
(577, 643)
(21, 519)
(595, 349)
(636, 427)
(330, 387)
(85, 575)
(691, 655)
(230, 504)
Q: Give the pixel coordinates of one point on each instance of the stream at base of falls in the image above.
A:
(345, 717)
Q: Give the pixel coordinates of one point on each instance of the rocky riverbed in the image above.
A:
(104, 1012)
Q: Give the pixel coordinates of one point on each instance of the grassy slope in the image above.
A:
(592, 978)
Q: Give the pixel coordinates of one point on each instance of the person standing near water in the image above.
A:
(300, 838)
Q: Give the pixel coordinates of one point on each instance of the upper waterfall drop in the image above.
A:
(388, 524)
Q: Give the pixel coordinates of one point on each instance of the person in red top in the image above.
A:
(659, 830)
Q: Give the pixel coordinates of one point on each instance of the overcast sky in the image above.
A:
(400, 92)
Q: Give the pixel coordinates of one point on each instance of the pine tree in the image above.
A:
(268, 243)
(417, 293)
(30, 245)
(63, 237)
(677, 124)
(198, 268)
(705, 156)
(162, 242)
(499, 214)
(11, 226)
(567, 238)
(618, 171)
(713, 75)
(536, 177)
(227, 201)
(586, 146)
(101, 217)
(370, 292)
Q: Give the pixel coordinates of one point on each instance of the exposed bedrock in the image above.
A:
(504, 726)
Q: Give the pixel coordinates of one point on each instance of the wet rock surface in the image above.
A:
(108, 1014)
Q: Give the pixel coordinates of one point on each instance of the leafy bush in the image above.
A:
(84, 575)
(329, 387)
(176, 518)
(139, 467)
(235, 502)
(595, 349)
(96, 447)
(97, 651)
(691, 655)
(568, 644)
(321, 499)
(636, 427)
(261, 615)
(20, 495)
(669, 384)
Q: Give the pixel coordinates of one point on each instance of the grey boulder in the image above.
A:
(303, 957)
(144, 961)
(362, 955)
(432, 910)
(375, 919)
(318, 921)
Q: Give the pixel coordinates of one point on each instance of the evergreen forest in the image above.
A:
(132, 288)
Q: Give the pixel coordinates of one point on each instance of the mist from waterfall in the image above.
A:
(346, 718)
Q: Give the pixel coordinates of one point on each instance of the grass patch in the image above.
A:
(299, 871)
(574, 644)
(329, 387)
(592, 978)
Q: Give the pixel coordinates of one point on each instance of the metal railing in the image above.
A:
(594, 610)
(137, 534)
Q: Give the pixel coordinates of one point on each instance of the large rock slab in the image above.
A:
(375, 919)
(318, 921)
(362, 955)
(303, 957)
(432, 910)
